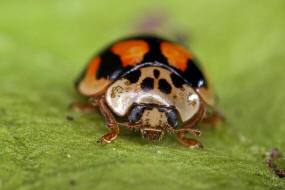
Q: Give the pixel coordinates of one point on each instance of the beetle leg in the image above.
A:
(82, 107)
(188, 142)
(184, 130)
(213, 118)
(86, 107)
(111, 122)
(187, 129)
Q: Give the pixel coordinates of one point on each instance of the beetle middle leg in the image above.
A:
(92, 105)
(212, 117)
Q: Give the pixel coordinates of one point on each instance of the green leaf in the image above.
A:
(44, 45)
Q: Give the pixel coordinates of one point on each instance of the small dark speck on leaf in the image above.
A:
(72, 182)
(69, 118)
(281, 174)
(272, 158)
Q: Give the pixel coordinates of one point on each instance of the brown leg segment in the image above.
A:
(85, 107)
(186, 129)
(213, 118)
(111, 122)
(82, 107)
(191, 143)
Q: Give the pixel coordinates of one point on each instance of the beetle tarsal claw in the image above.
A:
(196, 132)
(102, 139)
(198, 145)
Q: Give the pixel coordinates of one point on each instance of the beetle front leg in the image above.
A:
(187, 129)
(110, 120)
(192, 143)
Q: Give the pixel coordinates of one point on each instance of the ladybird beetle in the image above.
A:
(149, 84)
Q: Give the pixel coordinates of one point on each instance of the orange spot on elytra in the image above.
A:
(131, 52)
(92, 68)
(90, 86)
(176, 55)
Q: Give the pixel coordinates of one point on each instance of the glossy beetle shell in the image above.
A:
(124, 57)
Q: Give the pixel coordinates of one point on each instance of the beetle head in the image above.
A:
(154, 119)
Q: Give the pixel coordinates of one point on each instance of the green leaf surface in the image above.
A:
(44, 45)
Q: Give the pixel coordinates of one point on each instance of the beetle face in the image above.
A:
(153, 119)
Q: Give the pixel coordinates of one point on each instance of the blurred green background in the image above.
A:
(45, 44)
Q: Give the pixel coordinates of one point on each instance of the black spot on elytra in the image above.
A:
(110, 66)
(147, 84)
(176, 80)
(156, 73)
(134, 76)
(155, 52)
(164, 86)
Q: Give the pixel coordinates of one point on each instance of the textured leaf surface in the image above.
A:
(45, 44)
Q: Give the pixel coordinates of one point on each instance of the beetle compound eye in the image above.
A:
(172, 118)
(136, 113)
